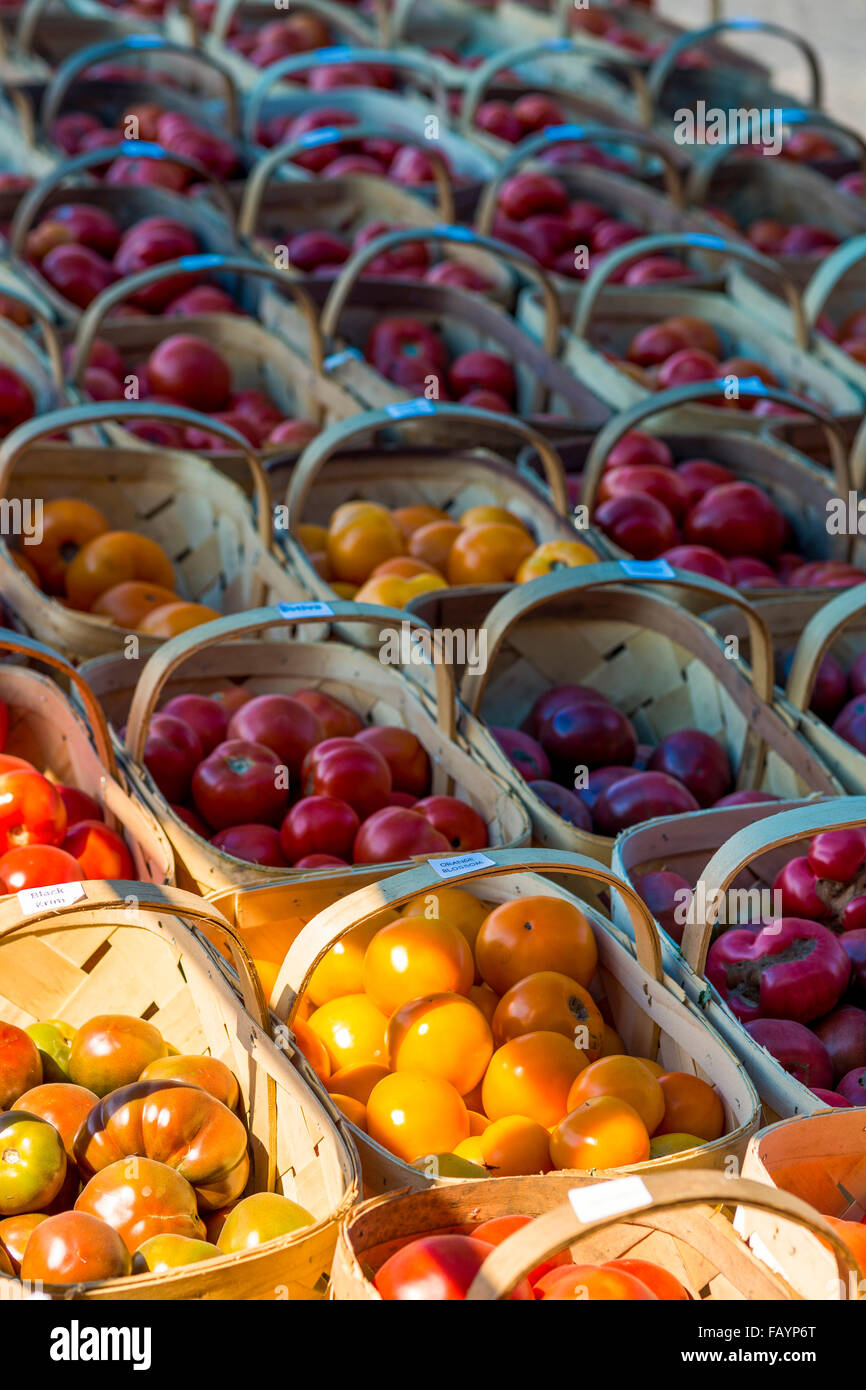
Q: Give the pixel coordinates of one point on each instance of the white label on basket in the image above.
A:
(459, 864)
(647, 569)
(404, 410)
(305, 610)
(51, 896)
(609, 1198)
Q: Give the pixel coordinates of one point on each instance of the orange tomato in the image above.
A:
(413, 957)
(595, 1284)
(553, 1003)
(433, 542)
(128, 604)
(485, 999)
(405, 567)
(360, 536)
(356, 1082)
(412, 1115)
(602, 1133)
(312, 537)
(658, 1280)
(531, 934)
(171, 618)
(516, 1145)
(485, 515)
(463, 910)
(613, 1045)
(655, 1067)
(311, 1045)
(411, 519)
(353, 1031)
(115, 557)
(341, 969)
(395, 591)
(354, 1111)
(441, 1035)
(67, 525)
(625, 1078)
(555, 555)
(488, 554)
(477, 1122)
(691, 1107)
(532, 1075)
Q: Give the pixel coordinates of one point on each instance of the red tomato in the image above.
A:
(20, 1064)
(171, 754)
(336, 719)
(37, 866)
(321, 861)
(191, 819)
(658, 1280)
(8, 763)
(345, 769)
(257, 844)
(79, 806)
(499, 1228)
(402, 799)
(31, 811)
(437, 1268)
(239, 784)
(206, 716)
(319, 825)
(393, 834)
(231, 699)
(404, 754)
(284, 725)
(461, 826)
(100, 851)
(4, 723)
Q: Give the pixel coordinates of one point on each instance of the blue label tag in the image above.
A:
(338, 358)
(326, 136)
(293, 611)
(564, 132)
(205, 261)
(559, 46)
(404, 410)
(454, 233)
(340, 53)
(647, 569)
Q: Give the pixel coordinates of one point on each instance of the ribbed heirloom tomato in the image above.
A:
(523, 937)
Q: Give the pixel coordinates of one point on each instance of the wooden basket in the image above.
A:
(817, 1159)
(134, 948)
(214, 226)
(838, 287)
(74, 746)
(605, 322)
(41, 367)
(202, 659)
(221, 556)
(650, 1014)
(661, 665)
(674, 1220)
(801, 489)
(345, 23)
(37, 36)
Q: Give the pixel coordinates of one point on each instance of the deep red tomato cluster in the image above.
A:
(77, 132)
(299, 781)
(838, 696)
(412, 354)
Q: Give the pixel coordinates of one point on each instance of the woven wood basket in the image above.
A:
(651, 1016)
(837, 288)
(800, 488)
(41, 366)
(661, 665)
(675, 1220)
(221, 555)
(35, 37)
(133, 948)
(818, 1159)
(605, 322)
(346, 25)
(73, 746)
(203, 659)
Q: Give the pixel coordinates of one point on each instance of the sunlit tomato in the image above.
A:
(115, 557)
(129, 604)
(67, 525)
(206, 716)
(658, 1280)
(74, 1248)
(530, 934)
(20, 1064)
(38, 866)
(171, 754)
(354, 1110)
(257, 844)
(288, 727)
(437, 1268)
(240, 782)
(553, 556)
(9, 763)
(515, 1145)
(491, 553)
(169, 619)
(346, 769)
(404, 754)
(463, 910)
(410, 1115)
(100, 851)
(602, 1133)
(532, 1075)
(63, 1105)
(595, 1283)
(142, 1199)
(433, 542)
(463, 828)
(499, 1228)
(79, 806)
(625, 1078)
(261, 1217)
(15, 1232)
(111, 1050)
(550, 1002)
(360, 536)
(159, 1254)
(337, 719)
(341, 969)
(209, 1073)
(691, 1107)
(312, 1047)
(413, 957)
(441, 1035)
(319, 825)
(31, 811)
(32, 1163)
(394, 833)
(353, 1031)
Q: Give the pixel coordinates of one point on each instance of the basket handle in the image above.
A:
(857, 465)
(738, 852)
(27, 21)
(28, 646)
(264, 169)
(100, 307)
(830, 274)
(351, 272)
(656, 404)
(553, 1232)
(686, 241)
(96, 413)
(340, 16)
(817, 636)
(664, 66)
(577, 134)
(523, 599)
(47, 328)
(78, 63)
(414, 63)
(339, 434)
(702, 175)
(32, 202)
(328, 926)
(160, 667)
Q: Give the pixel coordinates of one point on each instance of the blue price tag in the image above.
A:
(293, 611)
(405, 410)
(338, 358)
(455, 233)
(326, 136)
(647, 569)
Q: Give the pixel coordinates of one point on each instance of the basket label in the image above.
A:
(564, 132)
(327, 136)
(609, 1198)
(53, 895)
(337, 359)
(404, 410)
(293, 611)
(460, 864)
(454, 233)
(647, 569)
(559, 46)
